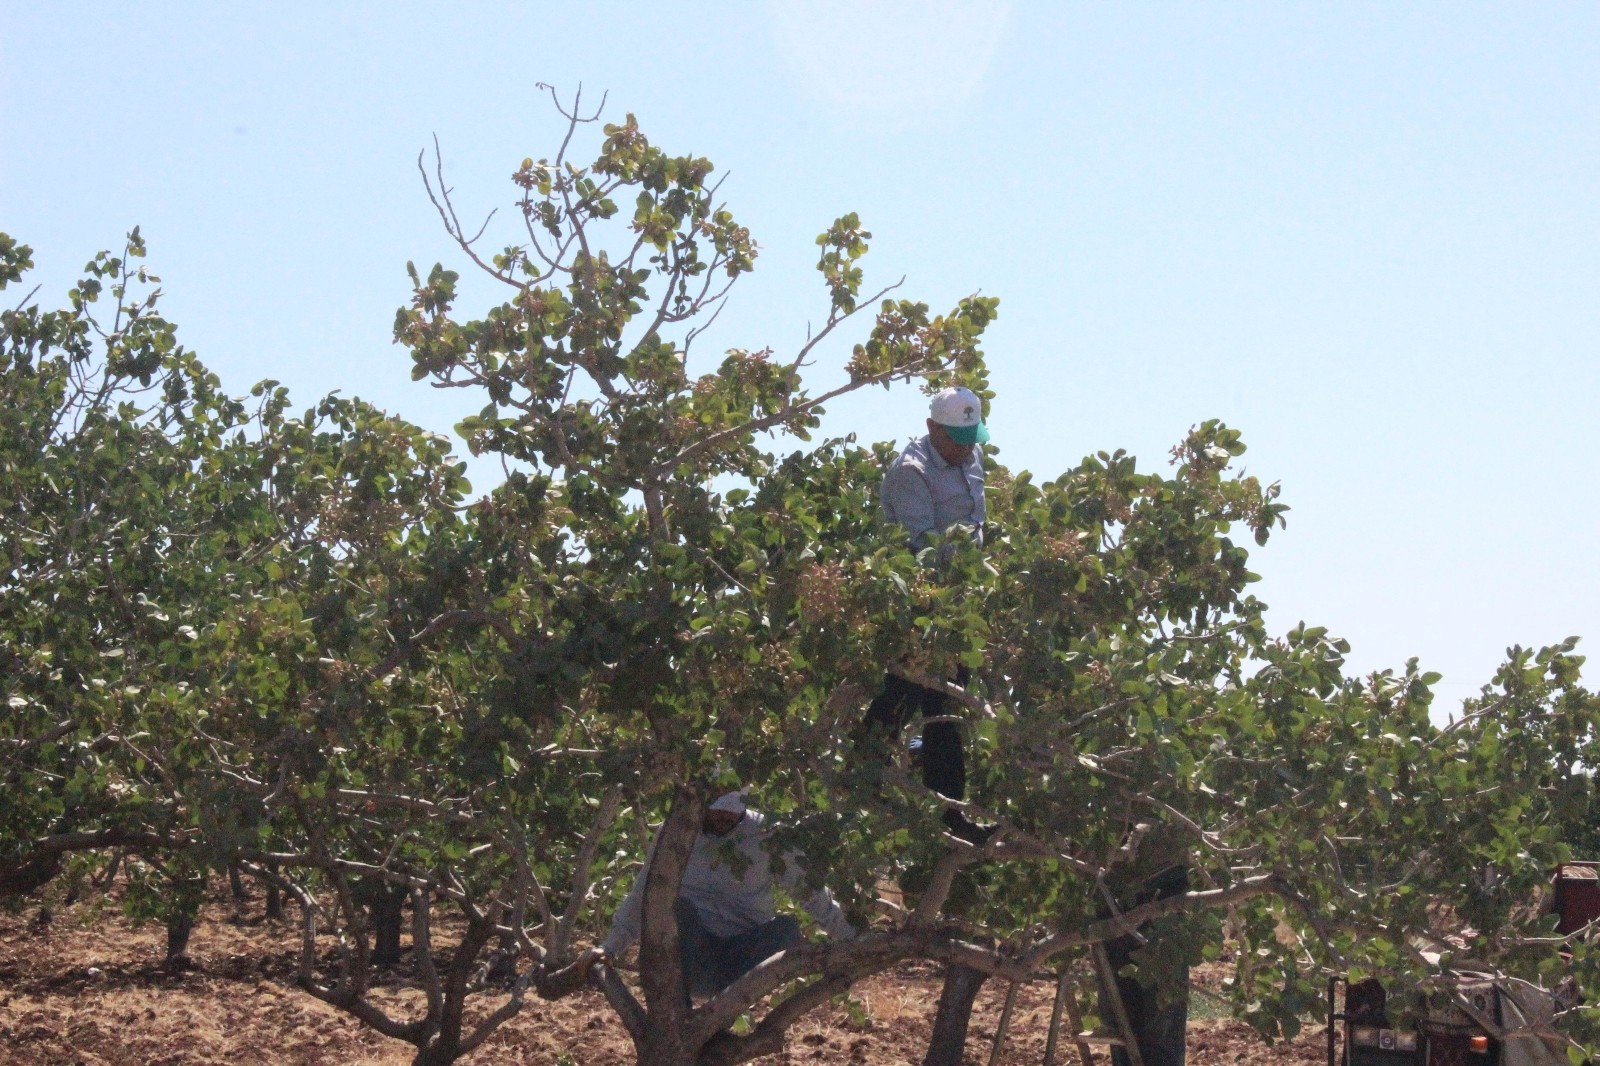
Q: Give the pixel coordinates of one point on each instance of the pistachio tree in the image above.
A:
(221, 649)
(674, 563)
(1134, 712)
(108, 422)
(238, 635)
(714, 611)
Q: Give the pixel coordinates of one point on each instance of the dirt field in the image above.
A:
(86, 990)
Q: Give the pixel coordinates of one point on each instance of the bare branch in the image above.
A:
(422, 950)
(504, 1013)
(49, 736)
(940, 882)
(452, 223)
(632, 1013)
(579, 892)
(954, 691)
(1111, 928)
(834, 318)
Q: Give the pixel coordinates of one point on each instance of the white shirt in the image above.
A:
(923, 494)
(729, 903)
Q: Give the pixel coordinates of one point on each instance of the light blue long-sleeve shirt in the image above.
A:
(924, 494)
(729, 902)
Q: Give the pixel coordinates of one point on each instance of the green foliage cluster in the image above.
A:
(232, 636)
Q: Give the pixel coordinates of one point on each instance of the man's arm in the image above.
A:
(826, 910)
(821, 905)
(625, 923)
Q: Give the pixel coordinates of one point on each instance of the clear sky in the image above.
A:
(1368, 235)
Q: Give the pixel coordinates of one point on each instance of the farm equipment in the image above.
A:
(1577, 896)
(1446, 1036)
(1480, 1021)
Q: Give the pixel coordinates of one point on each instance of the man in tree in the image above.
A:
(934, 485)
(727, 921)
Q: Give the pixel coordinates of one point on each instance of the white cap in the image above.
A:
(960, 409)
(732, 802)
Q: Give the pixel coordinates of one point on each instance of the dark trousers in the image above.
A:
(944, 766)
(1160, 1031)
(712, 963)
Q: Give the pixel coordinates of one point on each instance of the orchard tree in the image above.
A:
(713, 612)
(1133, 714)
(355, 720)
(372, 693)
(673, 563)
(107, 530)
(223, 624)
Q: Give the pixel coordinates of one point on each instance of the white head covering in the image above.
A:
(732, 802)
(960, 411)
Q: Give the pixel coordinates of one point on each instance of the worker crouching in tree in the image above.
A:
(727, 919)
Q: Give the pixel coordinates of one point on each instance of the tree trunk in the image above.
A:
(961, 985)
(668, 1052)
(385, 908)
(180, 923)
(437, 1053)
(236, 884)
(185, 894)
(503, 961)
(274, 910)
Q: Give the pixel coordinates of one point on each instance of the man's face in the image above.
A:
(948, 448)
(720, 823)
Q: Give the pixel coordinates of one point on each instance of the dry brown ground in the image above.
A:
(87, 990)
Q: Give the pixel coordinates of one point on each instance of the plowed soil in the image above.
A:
(84, 988)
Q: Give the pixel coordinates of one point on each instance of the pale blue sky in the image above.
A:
(1368, 235)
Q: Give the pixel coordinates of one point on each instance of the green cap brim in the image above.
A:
(978, 434)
